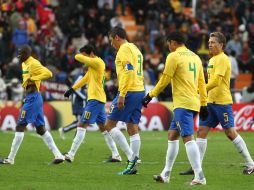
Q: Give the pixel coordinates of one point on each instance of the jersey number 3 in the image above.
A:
(139, 71)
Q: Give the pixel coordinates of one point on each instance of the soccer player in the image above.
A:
(32, 110)
(94, 110)
(220, 102)
(78, 102)
(127, 104)
(184, 70)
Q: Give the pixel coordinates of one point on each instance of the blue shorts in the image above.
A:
(32, 110)
(183, 121)
(94, 112)
(222, 114)
(131, 112)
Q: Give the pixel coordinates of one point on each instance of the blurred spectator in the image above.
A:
(20, 35)
(234, 45)
(234, 69)
(3, 95)
(15, 90)
(13, 70)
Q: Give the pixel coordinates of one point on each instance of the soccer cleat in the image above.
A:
(113, 159)
(68, 157)
(58, 160)
(198, 181)
(7, 161)
(248, 170)
(187, 172)
(61, 133)
(159, 178)
(131, 168)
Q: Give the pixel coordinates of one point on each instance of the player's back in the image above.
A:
(188, 68)
(130, 59)
(96, 77)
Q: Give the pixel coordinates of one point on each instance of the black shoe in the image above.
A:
(187, 172)
(248, 170)
(57, 161)
(111, 159)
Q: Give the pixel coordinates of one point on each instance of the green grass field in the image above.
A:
(222, 165)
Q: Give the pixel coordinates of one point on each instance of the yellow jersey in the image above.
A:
(129, 69)
(33, 73)
(184, 69)
(94, 77)
(220, 65)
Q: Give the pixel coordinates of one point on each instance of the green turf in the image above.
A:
(222, 165)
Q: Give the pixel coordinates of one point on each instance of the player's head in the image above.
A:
(24, 52)
(174, 40)
(88, 50)
(216, 43)
(116, 36)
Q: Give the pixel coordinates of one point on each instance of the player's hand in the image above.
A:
(120, 102)
(146, 100)
(68, 92)
(203, 113)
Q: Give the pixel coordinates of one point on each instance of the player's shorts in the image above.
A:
(131, 112)
(222, 114)
(94, 112)
(183, 121)
(32, 110)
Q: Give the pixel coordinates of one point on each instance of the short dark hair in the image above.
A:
(87, 49)
(118, 31)
(25, 50)
(220, 37)
(176, 36)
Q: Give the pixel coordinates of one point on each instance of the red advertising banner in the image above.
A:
(156, 117)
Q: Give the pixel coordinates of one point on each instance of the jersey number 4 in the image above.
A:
(192, 68)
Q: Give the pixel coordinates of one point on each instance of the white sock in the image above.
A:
(202, 144)
(135, 144)
(16, 142)
(172, 152)
(47, 138)
(110, 143)
(243, 150)
(120, 139)
(79, 138)
(194, 158)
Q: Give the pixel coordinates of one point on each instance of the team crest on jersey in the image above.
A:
(129, 67)
(23, 114)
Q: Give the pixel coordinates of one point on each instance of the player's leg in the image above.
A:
(26, 115)
(201, 140)
(115, 157)
(40, 129)
(118, 137)
(131, 116)
(135, 142)
(71, 126)
(49, 141)
(225, 114)
(16, 142)
(186, 124)
(114, 116)
(171, 154)
(89, 116)
(101, 119)
(241, 148)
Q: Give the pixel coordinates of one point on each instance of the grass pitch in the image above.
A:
(222, 165)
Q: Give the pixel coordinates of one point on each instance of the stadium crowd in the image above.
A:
(57, 29)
